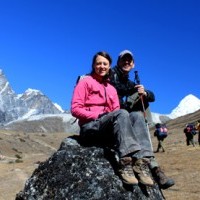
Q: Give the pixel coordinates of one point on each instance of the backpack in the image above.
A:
(190, 128)
(81, 77)
(197, 126)
(162, 131)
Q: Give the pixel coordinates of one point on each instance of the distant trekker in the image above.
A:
(189, 131)
(161, 133)
(198, 130)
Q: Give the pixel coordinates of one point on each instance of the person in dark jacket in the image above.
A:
(128, 91)
(135, 98)
(161, 133)
(189, 131)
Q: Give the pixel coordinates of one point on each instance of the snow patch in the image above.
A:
(30, 91)
(58, 107)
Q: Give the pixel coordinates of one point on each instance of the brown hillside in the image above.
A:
(182, 121)
(180, 162)
(23, 151)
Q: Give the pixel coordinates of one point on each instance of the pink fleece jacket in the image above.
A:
(91, 98)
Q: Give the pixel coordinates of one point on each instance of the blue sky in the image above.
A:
(46, 44)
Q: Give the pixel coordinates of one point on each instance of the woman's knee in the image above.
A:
(136, 115)
(123, 112)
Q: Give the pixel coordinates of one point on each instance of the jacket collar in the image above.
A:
(100, 79)
(121, 73)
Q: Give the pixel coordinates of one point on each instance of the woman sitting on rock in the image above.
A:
(95, 103)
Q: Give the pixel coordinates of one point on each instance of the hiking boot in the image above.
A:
(142, 170)
(126, 171)
(163, 181)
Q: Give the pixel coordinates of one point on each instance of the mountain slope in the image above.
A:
(187, 105)
(14, 106)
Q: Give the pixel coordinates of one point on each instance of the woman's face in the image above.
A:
(101, 66)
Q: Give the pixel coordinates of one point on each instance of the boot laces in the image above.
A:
(128, 169)
(144, 168)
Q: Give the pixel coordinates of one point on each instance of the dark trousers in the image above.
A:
(126, 133)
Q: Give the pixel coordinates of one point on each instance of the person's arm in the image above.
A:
(150, 97)
(78, 107)
(115, 103)
(155, 133)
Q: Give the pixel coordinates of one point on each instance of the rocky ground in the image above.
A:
(23, 152)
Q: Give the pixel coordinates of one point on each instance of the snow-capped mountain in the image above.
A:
(14, 106)
(187, 105)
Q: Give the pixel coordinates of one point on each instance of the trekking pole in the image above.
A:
(137, 82)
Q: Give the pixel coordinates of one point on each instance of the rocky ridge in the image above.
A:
(15, 106)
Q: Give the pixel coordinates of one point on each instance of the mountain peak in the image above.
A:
(15, 106)
(32, 91)
(188, 104)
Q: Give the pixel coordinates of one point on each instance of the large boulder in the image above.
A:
(78, 172)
